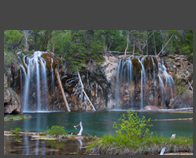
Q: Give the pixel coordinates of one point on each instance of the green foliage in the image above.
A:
(18, 117)
(79, 47)
(55, 130)
(132, 126)
(12, 38)
(16, 131)
(144, 145)
(9, 57)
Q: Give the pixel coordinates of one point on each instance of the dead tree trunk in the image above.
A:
(82, 87)
(127, 43)
(188, 86)
(165, 45)
(62, 91)
(134, 45)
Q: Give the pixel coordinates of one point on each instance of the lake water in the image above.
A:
(100, 123)
(94, 123)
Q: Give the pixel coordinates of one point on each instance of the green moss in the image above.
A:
(136, 66)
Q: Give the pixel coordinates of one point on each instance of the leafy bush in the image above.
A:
(56, 130)
(132, 126)
(16, 131)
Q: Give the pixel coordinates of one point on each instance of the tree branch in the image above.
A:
(82, 86)
(62, 91)
(165, 45)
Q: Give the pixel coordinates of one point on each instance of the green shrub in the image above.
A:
(132, 126)
(133, 138)
(16, 131)
(18, 117)
(56, 130)
(72, 137)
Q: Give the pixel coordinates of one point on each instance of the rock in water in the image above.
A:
(150, 107)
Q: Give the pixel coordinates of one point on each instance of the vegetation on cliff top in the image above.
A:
(87, 46)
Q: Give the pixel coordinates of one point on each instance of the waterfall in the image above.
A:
(154, 81)
(133, 87)
(52, 80)
(143, 81)
(35, 83)
(167, 88)
(124, 79)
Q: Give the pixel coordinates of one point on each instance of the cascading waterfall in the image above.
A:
(143, 79)
(35, 83)
(136, 83)
(52, 79)
(124, 76)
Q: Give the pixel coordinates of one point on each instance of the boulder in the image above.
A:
(152, 107)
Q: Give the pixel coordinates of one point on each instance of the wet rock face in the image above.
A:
(180, 67)
(5, 82)
(99, 84)
(12, 103)
(182, 72)
(96, 87)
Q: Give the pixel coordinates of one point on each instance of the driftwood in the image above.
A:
(190, 85)
(62, 91)
(83, 91)
(81, 128)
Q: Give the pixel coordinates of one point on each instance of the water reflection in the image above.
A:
(42, 147)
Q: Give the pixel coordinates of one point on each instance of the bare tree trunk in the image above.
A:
(165, 45)
(134, 45)
(82, 86)
(62, 91)
(155, 50)
(189, 85)
(127, 43)
(26, 34)
(147, 39)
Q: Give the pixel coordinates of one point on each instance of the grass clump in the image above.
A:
(55, 130)
(132, 137)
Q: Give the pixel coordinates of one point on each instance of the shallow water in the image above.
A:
(100, 123)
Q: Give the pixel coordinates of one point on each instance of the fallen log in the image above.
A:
(62, 91)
